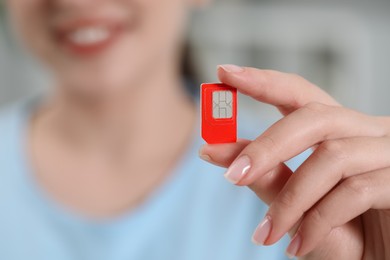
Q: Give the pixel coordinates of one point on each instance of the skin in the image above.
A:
(97, 127)
(337, 202)
(91, 141)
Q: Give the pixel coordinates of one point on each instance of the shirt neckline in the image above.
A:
(48, 205)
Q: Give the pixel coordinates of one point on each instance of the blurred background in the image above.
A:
(341, 45)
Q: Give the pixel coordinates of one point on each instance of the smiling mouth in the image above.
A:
(88, 37)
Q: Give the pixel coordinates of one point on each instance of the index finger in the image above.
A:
(286, 91)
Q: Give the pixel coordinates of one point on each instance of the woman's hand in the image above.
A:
(336, 205)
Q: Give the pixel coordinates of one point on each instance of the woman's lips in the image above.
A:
(88, 37)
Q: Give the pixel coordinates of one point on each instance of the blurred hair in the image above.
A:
(188, 71)
(2, 11)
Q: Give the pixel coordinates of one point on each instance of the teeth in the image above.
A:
(89, 35)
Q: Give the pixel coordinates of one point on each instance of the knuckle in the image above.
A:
(359, 187)
(262, 82)
(316, 107)
(268, 145)
(333, 149)
(297, 99)
(317, 218)
(266, 141)
(318, 114)
(286, 200)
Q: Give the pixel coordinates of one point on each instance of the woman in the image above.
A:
(96, 169)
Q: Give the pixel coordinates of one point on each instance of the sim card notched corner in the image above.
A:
(219, 113)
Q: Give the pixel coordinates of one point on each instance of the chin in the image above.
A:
(96, 79)
(95, 87)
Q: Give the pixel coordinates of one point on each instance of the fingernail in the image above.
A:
(294, 246)
(231, 68)
(205, 157)
(238, 169)
(262, 231)
(202, 155)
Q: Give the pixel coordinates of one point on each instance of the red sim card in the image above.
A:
(219, 113)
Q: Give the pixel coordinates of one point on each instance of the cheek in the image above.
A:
(30, 21)
(167, 21)
(153, 44)
(162, 24)
(160, 34)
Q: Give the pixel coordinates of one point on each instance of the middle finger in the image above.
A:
(297, 132)
(332, 162)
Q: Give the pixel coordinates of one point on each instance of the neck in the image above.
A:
(147, 111)
(123, 146)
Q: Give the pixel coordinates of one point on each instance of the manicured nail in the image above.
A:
(205, 157)
(231, 68)
(202, 155)
(294, 246)
(262, 231)
(238, 169)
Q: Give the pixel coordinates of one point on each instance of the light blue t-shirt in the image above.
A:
(195, 215)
